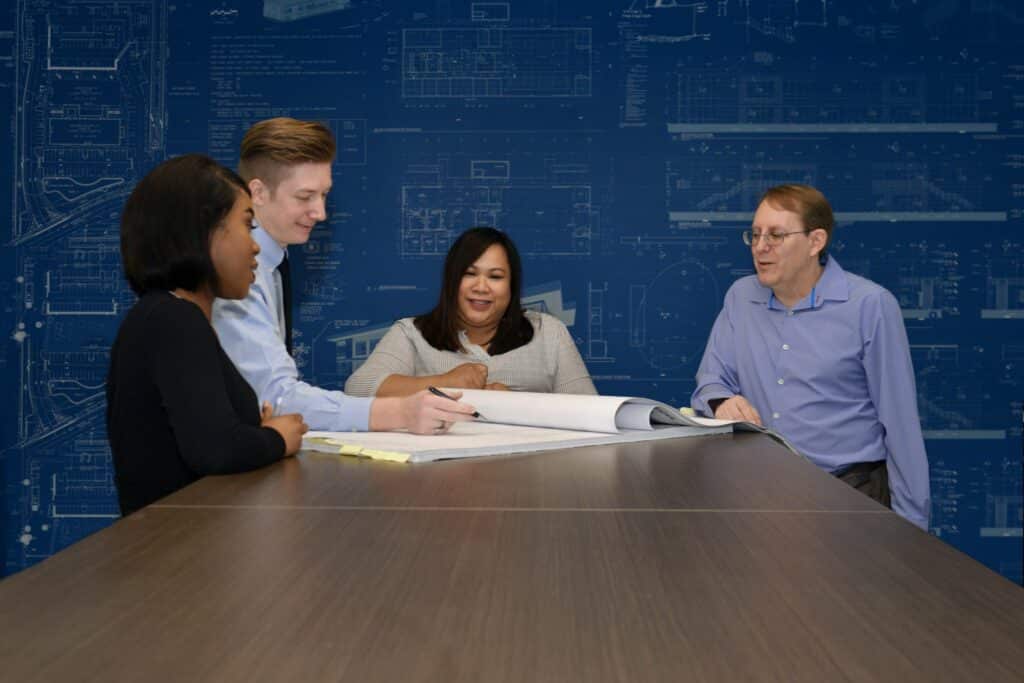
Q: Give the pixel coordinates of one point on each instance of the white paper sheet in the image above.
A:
(474, 439)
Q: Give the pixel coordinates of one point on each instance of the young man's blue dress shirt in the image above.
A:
(251, 330)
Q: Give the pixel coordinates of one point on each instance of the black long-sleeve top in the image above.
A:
(177, 409)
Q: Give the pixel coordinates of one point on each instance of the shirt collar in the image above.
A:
(271, 252)
(831, 286)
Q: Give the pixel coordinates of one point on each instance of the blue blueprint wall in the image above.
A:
(622, 143)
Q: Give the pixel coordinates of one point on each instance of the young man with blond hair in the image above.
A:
(287, 165)
(819, 355)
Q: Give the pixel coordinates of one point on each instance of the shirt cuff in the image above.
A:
(911, 514)
(709, 393)
(355, 414)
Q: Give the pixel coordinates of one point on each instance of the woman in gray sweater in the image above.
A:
(477, 336)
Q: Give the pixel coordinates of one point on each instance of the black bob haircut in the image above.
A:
(168, 220)
(440, 327)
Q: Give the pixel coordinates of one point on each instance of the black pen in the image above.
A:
(437, 392)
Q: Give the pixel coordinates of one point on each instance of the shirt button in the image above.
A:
(775, 416)
(789, 312)
(785, 347)
(782, 381)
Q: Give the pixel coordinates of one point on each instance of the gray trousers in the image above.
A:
(870, 478)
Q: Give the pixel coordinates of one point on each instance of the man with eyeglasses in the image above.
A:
(820, 356)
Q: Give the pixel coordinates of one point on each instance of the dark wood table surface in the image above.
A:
(718, 559)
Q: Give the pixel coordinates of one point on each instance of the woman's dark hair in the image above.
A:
(168, 220)
(440, 327)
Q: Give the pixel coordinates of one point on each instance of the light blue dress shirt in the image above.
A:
(833, 375)
(251, 330)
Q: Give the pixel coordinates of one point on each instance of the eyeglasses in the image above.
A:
(772, 239)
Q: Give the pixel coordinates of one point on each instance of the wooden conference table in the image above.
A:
(716, 559)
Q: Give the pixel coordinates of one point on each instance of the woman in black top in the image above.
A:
(177, 409)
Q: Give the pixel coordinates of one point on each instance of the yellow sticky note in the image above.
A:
(385, 455)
